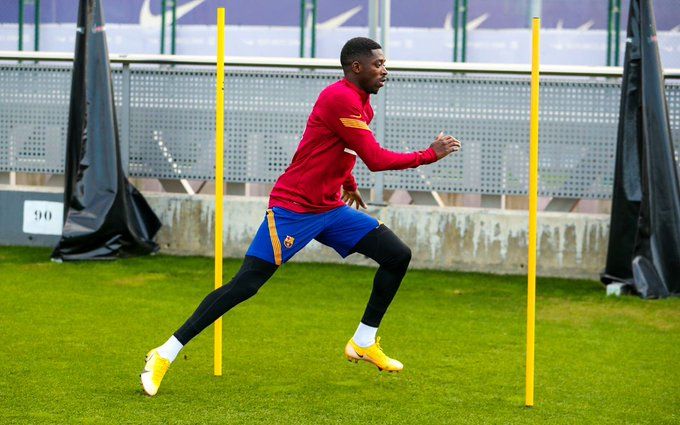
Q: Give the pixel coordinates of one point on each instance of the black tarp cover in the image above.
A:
(105, 217)
(644, 236)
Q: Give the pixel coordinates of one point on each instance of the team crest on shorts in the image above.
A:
(288, 242)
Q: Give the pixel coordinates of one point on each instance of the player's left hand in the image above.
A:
(353, 197)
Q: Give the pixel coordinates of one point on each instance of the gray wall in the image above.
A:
(471, 239)
(449, 238)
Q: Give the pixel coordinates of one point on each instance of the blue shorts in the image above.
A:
(283, 233)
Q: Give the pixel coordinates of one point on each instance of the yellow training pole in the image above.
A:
(219, 179)
(533, 208)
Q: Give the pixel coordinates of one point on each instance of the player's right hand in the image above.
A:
(444, 145)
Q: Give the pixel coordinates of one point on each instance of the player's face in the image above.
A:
(373, 72)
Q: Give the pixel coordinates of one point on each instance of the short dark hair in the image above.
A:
(356, 48)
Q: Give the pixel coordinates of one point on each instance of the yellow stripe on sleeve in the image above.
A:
(354, 123)
(274, 236)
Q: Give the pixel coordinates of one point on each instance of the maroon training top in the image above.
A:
(337, 131)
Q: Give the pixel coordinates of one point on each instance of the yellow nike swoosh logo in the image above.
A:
(355, 116)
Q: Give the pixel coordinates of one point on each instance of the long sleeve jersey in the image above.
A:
(337, 132)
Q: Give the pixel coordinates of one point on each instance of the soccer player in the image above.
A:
(313, 199)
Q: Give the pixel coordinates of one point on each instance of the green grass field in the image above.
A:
(73, 338)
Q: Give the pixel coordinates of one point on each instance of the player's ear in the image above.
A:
(356, 67)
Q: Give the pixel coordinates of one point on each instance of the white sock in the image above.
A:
(170, 349)
(365, 335)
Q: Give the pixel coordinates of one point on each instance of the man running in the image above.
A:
(313, 199)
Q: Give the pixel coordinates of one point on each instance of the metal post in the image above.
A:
(173, 33)
(21, 25)
(463, 27)
(609, 32)
(535, 7)
(125, 120)
(617, 31)
(378, 192)
(373, 12)
(303, 4)
(313, 54)
(455, 30)
(162, 27)
(36, 29)
(385, 26)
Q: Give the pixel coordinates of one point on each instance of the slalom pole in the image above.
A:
(533, 208)
(219, 179)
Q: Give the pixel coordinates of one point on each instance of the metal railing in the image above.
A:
(36, 23)
(309, 8)
(333, 64)
(613, 32)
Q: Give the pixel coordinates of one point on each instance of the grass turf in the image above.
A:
(73, 337)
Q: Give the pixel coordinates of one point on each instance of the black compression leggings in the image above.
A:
(380, 244)
(253, 274)
(393, 256)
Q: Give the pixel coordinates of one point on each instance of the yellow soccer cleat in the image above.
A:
(154, 371)
(373, 354)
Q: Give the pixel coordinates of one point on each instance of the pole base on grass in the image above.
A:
(618, 289)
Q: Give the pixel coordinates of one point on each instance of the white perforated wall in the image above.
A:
(166, 120)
